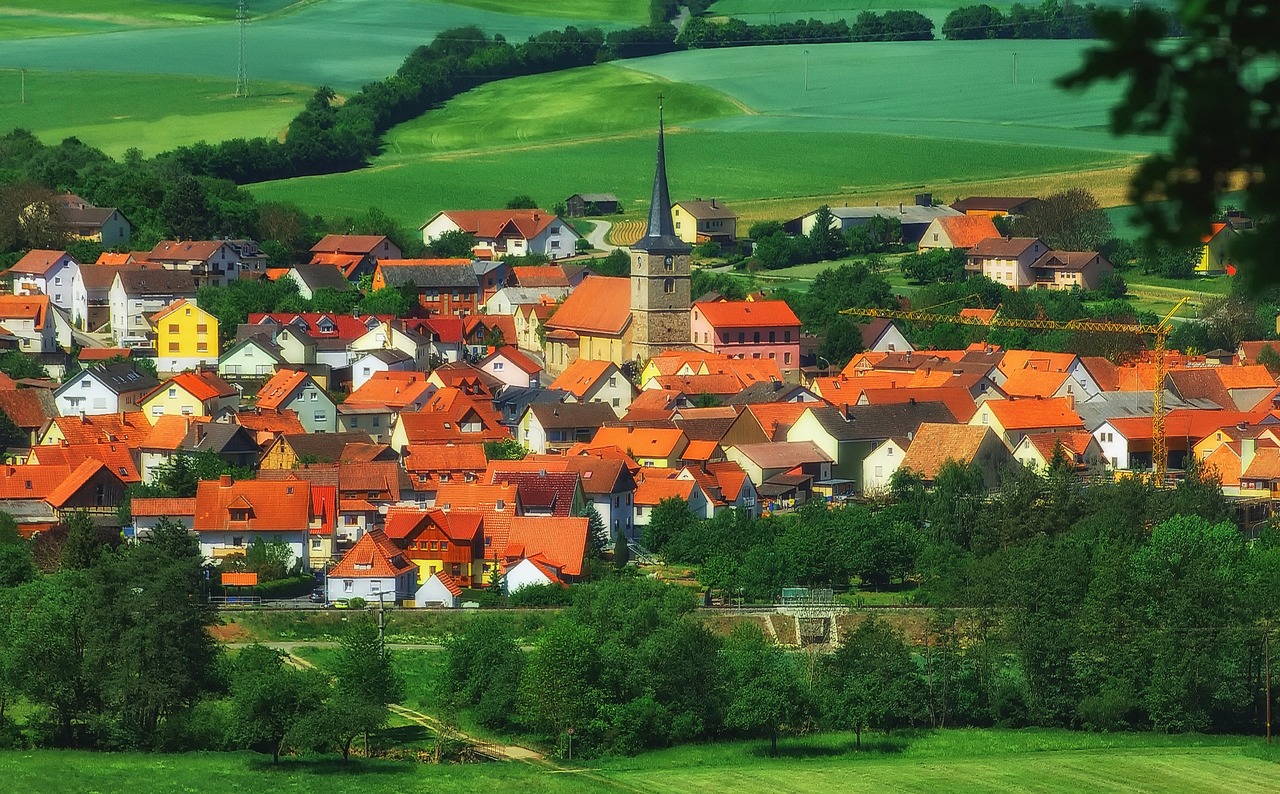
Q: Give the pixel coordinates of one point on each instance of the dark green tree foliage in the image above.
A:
(17, 365)
(394, 301)
(452, 245)
(365, 683)
(768, 697)
(1068, 221)
(1204, 90)
(705, 281)
(273, 704)
(825, 240)
(937, 265)
(506, 449)
(872, 682)
(85, 543)
(597, 533)
(1050, 19)
(878, 235)
(483, 670)
(522, 202)
(668, 520)
(617, 264)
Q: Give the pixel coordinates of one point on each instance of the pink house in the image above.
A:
(748, 329)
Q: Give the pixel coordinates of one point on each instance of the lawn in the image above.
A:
(340, 43)
(153, 113)
(953, 761)
(403, 626)
(571, 105)
(420, 670)
(786, 173)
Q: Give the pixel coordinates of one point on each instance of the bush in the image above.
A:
(357, 603)
(708, 250)
(540, 595)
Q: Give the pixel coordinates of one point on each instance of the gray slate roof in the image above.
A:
(431, 276)
(565, 416)
(322, 277)
(157, 281)
(122, 378)
(226, 439)
(878, 422)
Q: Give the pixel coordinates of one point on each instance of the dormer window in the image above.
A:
(239, 514)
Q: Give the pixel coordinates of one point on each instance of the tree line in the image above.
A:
(110, 646)
(1049, 20)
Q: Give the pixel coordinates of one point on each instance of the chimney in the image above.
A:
(713, 204)
(1071, 401)
(199, 432)
(224, 481)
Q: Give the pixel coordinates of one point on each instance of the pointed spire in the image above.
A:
(661, 234)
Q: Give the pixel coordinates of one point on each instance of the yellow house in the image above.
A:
(1215, 257)
(191, 394)
(186, 337)
(699, 221)
(594, 323)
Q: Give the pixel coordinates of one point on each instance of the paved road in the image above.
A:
(599, 236)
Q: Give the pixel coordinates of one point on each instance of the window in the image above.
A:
(444, 545)
(555, 243)
(157, 411)
(755, 338)
(57, 280)
(187, 410)
(786, 358)
(349, 520)
(173, 328)
(669, 286)
(373, 421)
(321, 416)
(173, 393)
(84, 384)
(880, 469)
(202, 329)
(497, 366)
(314, 396)
(202, 347)
(434, 545)
(348, 586)
(375, 586)
(742, 337)
(173, 347)
(773, 337)
(236, 540)
(188, 312)
(354, 422)
(315, 543)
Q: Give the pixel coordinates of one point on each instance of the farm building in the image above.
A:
(582, 204)
(915, 218)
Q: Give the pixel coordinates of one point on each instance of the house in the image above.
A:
(37, 496)
(502, 233)
(1012, 420)
(371, 363)
(593, 323)
(298, 392)
(1007, 260)
(539, 277)
(231, 516)
(117, 457)
(528, 318)
(935, 445)
(232, 443)
(200, 393)
(588, 380)
(491, 276)
(83, 221)
(135, 295)
(313, 278)
(581, 205)
(543, 491)
(530, 572)
(1031, 373)
(1080, 449)
(444, 335)
(186, 337)
(210, 262)
(483, 333)
(45, 272)
(29, 318)
(440, 590)
(957, 231)
(355, 254)
(649, 446)
(653, 491)
(448, 288)
(882, 336)
(506, 300)
(554, 427)
(995, 206)
(449, 415)
(700, 221)
(762, 423)
(786, 473)
(609, 486)
(1215, 253)
(510, 403)
(512, 367)
(29, 409)
(1071, 270)
(914, 218)
(90, 294)
(373, 569)
(560, 542)
(291, 450)
(429, 465)
(104, 389)
(128, 428)
(880, 464)
(748, 329)
(849, 436)
(147, 513)
(392, 335)
(725, 485)
(250, 359)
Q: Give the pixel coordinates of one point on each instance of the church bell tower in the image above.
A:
(660, 277)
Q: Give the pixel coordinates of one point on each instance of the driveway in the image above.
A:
(599, 236)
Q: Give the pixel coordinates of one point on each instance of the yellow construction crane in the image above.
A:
(1159, 331)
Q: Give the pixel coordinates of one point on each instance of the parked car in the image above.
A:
(316, 597)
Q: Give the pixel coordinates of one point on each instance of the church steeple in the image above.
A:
(661, 234)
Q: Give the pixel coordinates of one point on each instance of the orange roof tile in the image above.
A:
(642, 442)
(1026, 414)
(600, 306)
(1248, 376)
(1225, 462)
(935, 444)
(104, 353)
(111, 258)
(374, 555)
(512, 354)
(580, 376)
(277, 422)
(958, 400)
(79, 476)
(161, 507)
(348, 243)
(653, 490)
(489, 224)
(540, 276)
(449, 583)
(700, 450)
(1015, 360)
(117, 457)
(271, 505)
(130, 428)
(776, 418)
(33, 481)
(37, 261)
(204, 385)
(719, 384)
(1214, 231)
(748, 314)
(25, 307)
(1033, 383)
(391, 389)
(431, 458)
(966, 231)
(985, 315)
(23, 406)
(562, 541)
(277, 390)
(1264, 466)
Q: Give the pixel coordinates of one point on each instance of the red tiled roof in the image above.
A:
(34, 481)
(540, 276)
(580, 376)
(278, 422)
(966, 231)
(37, 261)
(23, 406)
(104, 353)
(642, 442)
(489, 224)
(272, 505)
(748, 314)
(373, 556)
(203, 385)
(162, 507)
(957, 399)
(431, 458)
(512, 354)
(130, 428)
(542, 490)
(25, 307)
(935, 444)
(79, 476)
(348, 243)
(562, 541)
(985, 315)
(283, 384)
(1248, 376)
(184, 250)
(117, 457)
(1033, 383)
(449, 583)
(1026, 414)
(392, 389)
(699, 450)
(345, 326)
(599, 306)
(653, 490)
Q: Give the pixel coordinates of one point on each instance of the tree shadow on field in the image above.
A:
(326, 765)
(801, 748)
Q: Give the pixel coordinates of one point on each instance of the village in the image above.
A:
(525, 414)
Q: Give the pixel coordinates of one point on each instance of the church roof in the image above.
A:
(661, 234)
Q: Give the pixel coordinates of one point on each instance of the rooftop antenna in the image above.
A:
(242, 77)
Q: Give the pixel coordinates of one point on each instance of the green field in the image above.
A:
(634, 12)
(39, 18)
(759, 12)
(951, 761)
(151, 112)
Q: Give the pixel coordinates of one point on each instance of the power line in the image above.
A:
(242, 76)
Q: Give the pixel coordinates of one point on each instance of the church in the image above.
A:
(619, 320)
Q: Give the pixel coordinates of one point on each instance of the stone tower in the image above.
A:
(660, 279)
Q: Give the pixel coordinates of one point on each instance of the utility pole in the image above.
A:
(806, 70)
(1015, 68)
(1266, 645)
(382, 624)
(242, 76)
(22, 82)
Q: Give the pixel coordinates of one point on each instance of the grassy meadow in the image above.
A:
(759, 12)
(151, 112)
(953, 761)
(631, 12)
